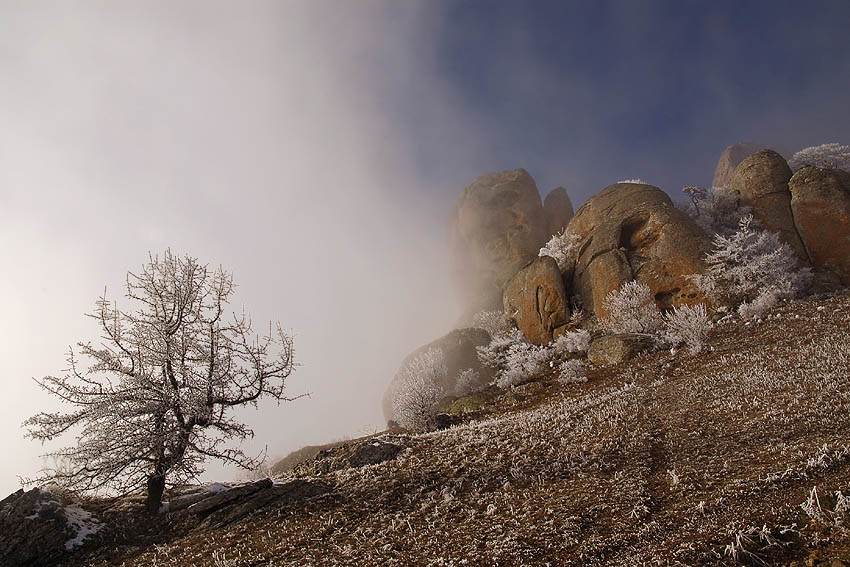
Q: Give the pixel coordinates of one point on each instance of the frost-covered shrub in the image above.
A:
(636, 180)
(563, 248)
(631, 309)
(755, 309)
(715, 210)
(572, 341)
(572, 371)
(752, 265)
(688, 326)
(466, 382)
(415, 398)
(829, 156)
(495, 354)
(494, 322)
(523, 361)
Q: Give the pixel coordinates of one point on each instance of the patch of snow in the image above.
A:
(83, 523)
(216, 487)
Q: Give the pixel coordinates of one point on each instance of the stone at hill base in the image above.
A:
(614, 349)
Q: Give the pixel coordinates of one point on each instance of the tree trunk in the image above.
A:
(156, 486)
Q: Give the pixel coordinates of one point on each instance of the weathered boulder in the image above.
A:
(38, 530)
(536, 299)
(271, 496)
(459, 351)
(614, 349)
(558, 210)
(761, 181)
(730, 159)
(374, 452)
(497, 225)
(632, 231)
(226, 497)
(820, 201)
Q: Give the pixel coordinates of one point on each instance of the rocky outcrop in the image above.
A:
(761, 181)
(820, 202)
(459, 351)
(730, 159)
(632, 231)
(497, 225)
(374, 452)
(558, 210)
(38, 529)
(536, 299)
(615, 349)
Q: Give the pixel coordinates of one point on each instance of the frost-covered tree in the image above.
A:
(563, 248)
(494, 322)
(632, 309)
(154, 399)
(752, 264)
(716, 210)
(415, 398)
(829, 156)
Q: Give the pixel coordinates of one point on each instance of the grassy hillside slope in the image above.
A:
(667, 460)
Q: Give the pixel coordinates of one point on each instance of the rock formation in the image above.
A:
(820, 201)
(497, 225)
(459, 351)
(608, 350)
(761, 181)
(730, 159)
(632, 231)
(536, 299)
(558, 210)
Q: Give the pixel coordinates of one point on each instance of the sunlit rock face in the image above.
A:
(536, 299)
(730, 159)
(761, 181)
(820, 201)
(496, 227)
(632, 231)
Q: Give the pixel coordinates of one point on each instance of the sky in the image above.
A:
(314, 149)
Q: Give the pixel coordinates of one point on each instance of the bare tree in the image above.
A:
(155, 398)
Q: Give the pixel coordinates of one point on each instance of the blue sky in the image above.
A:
(587, 93)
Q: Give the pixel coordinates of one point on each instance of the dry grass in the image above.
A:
(668, 460)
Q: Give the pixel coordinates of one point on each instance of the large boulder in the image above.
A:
(497, 225)
(632, 231)
(459, 351)
(558, 210)
(761, 181)
(536, 299)
(820, 201)
(730, 159)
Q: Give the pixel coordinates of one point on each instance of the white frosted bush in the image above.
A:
(829, 156)
(715, 210)
(572, 341)
(572, 371)
(755, 309)
(466, 382)
(494, 322)
(415, 398)
(523, 361)
(631, 309)
(751, 263)
(688, 326)
(563, 248)
(495, 354)
(636, 180)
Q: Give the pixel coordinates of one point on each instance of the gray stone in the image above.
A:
(226, 497)
(374, 452)
(609, 350)
(558, 210)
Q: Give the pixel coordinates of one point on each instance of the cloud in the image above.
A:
(266, 138)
